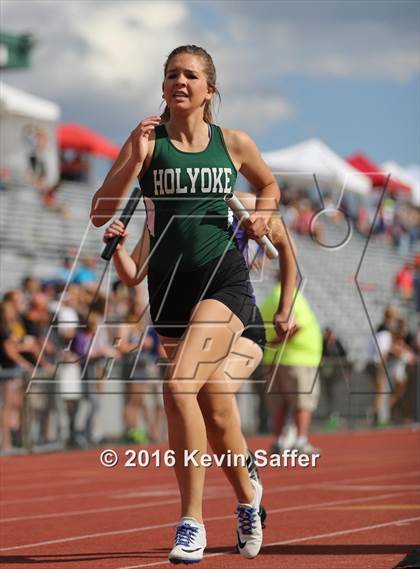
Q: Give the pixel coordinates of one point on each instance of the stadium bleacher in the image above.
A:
(34, 241)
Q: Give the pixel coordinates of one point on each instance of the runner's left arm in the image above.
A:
(256, 171)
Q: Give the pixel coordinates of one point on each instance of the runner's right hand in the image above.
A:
(116, 229)
(140, 137)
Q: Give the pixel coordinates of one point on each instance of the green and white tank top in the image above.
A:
(187, 216)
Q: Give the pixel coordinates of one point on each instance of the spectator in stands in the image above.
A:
(290, 214)
(65, 272)
(37, 320)
(75, 167)
(400, 357)
(119, 301)
(304, 223)
(12, 367)
(86, 273)
(403, 281)
(68, 374)
(49, 199)
(363, 222)
(29, 286)
(37, 140)
(331, 345)
(334, 362)
(379, 350)
(305, 215)
(292, 369)
(416, 283)
(26, 343)
(388, 217)
(92, 344)
(137, 369)
(410, 404)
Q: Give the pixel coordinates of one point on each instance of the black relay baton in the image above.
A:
(126, 215)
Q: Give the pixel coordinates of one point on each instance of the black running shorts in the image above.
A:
(173, 297)
(255, 330)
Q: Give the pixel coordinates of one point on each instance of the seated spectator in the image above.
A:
(305, 225)
(86, 273)
(362, 224)
(332, 346)
(29, 286)
(305, 215)
(49, 199)
(74, 167)
(403, 281)
(290, 214)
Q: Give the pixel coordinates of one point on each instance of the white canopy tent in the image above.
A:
(28, 139)
(409, 175)
(297, 165)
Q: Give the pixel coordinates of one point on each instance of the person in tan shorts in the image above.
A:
(292, 362)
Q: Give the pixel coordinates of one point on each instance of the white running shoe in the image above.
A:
(190, 542)
(249, 535)
(307, 448)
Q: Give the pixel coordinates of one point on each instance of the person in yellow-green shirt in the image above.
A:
(292, 361)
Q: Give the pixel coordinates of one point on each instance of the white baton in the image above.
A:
(242, 214)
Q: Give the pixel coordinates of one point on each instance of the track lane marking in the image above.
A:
(291, 541)
(222, 491)
(214, 518)
(268, 476)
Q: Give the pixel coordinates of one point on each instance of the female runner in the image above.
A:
(200, 296)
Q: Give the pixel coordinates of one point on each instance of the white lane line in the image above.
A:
(215, 518)
(92, 511)
(47, 484)
(220, 491)
(268, 475)
(375, 487)
(291, 541)
(117, 495)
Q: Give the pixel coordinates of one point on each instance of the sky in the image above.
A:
(344, 71)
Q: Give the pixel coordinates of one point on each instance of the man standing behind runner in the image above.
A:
(293, 385)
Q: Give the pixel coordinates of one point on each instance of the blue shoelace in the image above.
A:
(185, 534)
(247, 519)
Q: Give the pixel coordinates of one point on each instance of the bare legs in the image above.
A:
(221, 414)
(188, 397)
(12, 408)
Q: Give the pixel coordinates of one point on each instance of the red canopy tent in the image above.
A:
(379, 178)
(78, 137)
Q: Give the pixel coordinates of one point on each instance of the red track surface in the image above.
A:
(358, 509)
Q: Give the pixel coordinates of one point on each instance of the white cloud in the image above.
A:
(111, 44)
(102, 60)
(255, 113)
(373, 40)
